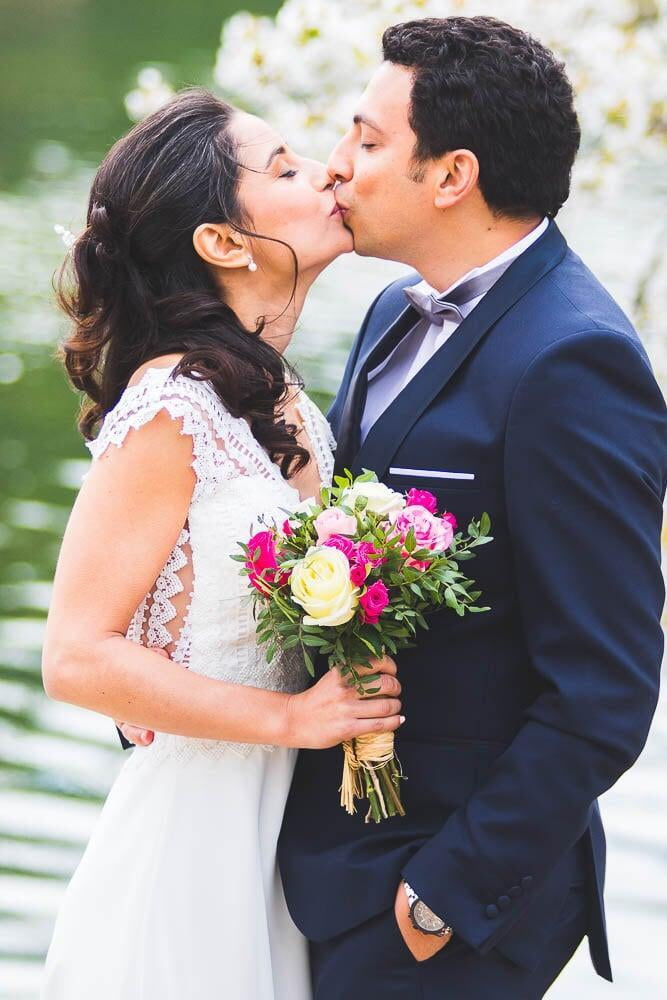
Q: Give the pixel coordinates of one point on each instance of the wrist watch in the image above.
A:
(422, 917)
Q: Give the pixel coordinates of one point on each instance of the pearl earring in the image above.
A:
(251, 265)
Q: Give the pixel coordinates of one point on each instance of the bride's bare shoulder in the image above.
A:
(165, 361)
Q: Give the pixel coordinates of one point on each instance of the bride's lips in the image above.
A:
(336, 210)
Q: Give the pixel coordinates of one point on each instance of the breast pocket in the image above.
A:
(444, 476)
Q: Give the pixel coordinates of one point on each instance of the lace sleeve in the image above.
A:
(223, 449)
(223, 446)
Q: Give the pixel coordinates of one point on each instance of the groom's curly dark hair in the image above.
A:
(483, 85)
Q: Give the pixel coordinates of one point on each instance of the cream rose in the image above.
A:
(321, 584)
(381, 499)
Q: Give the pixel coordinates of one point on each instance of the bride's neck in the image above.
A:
(254, 299)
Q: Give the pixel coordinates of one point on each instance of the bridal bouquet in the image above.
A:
(354, 577)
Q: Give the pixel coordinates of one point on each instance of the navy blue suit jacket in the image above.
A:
(519, 718)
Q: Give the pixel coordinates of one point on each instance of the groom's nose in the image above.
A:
(339, 164)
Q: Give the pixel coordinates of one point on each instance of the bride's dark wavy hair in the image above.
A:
(140, 290)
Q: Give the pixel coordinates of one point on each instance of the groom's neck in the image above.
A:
(457, 246)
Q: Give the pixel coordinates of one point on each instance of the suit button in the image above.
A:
(492, 910)
(504, 902)
(515, 891)
(526, 881)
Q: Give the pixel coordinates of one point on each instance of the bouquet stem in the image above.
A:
(371, 771)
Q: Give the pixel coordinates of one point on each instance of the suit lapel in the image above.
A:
(387, 434)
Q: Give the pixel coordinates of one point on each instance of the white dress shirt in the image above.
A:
(425, 338)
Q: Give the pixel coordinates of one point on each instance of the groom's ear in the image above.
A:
(219, 245)
(456, 175)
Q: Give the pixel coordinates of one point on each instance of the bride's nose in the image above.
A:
(321, 178)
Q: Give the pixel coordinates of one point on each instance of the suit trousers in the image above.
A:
(372, 962)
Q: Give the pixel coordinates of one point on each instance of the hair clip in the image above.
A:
(68, 238)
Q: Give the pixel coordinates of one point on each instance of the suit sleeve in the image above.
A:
(585, 467)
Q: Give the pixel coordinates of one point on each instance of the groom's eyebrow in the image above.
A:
(276, 152)
(365, 120)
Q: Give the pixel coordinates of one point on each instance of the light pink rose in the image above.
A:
(333, 521)
(373, 602)
(422, 498)
(430, 532)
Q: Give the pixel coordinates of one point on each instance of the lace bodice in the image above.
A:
(199, 608)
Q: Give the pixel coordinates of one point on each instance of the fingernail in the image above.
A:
(402, 718)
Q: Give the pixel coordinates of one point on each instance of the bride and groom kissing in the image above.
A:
(499, 375)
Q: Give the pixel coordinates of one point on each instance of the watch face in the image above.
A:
(426, 919)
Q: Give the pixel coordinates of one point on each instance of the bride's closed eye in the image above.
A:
(289, 173)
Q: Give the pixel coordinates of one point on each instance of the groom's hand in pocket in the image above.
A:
(423, 946)
(135, 734)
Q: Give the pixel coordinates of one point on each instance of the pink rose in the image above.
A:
(430, 532)
(373, 602)
(333, 521)
(422, 498)
(366, 552)
(343, 544)
(451, 519)
(287, 528)
(266, 560)
(358, 573)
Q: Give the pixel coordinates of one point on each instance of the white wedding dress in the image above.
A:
(178, 894)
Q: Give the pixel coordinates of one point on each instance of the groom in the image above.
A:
(502, 377)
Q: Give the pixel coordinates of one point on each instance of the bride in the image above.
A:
(204, 233)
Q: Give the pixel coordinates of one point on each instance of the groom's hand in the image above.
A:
(135, 734)
(421, 945)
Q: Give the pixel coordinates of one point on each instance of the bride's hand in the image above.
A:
(332, 711)
(135, 734)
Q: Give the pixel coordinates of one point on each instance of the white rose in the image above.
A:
(320, 583)
(381, 499)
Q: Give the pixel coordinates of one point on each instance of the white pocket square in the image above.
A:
(431, 473)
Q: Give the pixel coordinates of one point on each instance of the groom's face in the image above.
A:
(385, 207)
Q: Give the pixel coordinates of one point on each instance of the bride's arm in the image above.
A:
(123, 526)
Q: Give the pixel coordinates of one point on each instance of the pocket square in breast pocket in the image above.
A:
(430, 473)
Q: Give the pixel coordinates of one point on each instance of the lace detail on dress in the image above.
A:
(320, 434)
(199, 609)
(223, 445)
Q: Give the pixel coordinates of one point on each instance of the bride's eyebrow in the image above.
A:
(276, 152)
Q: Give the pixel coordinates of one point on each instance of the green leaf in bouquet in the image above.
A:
(360, 504)
(477, 610)
(367, 476)
(313, 640)
(410, 541)
(310, 667)
(290, 642)
(416, 589)
(485, 524)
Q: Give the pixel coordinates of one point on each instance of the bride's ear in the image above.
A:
(219, 245)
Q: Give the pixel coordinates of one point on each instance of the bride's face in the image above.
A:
(288, 197)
